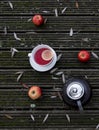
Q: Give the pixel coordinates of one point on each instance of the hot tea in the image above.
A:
(43, 56)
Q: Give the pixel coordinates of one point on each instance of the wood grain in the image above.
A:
(15, 105)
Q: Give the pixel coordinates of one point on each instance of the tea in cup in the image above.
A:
(42, 58)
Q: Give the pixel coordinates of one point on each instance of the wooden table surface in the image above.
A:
(16, 107)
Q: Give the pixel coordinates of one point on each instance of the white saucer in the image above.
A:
(42, 68)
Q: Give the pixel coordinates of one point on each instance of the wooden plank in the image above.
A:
(56, 119)
(8, 78)
(47, 7)
(18, 99)
(15, 105)
(69, 60)
(56, 40)
(55, 24)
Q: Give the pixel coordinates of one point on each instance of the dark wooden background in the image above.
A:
(15, 105)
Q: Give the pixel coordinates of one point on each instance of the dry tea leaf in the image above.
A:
(13, 51)
(32, 117)
(19, 76)
(55, 78)
(86, 77)
(86, 39)
(68, 117)
(45, 118)
(8, 116)
(45, 21)
(5, 30)
(59, 73)
(56, 12)
(77, 5)
(30, 19)
(64, 10)
(31, 32)
(16, 37)
(45, 11)
(53, 97)
(71, 32)
(63, 78)
(53, 70)
(95, 55)
(10, 4)
(59, 56)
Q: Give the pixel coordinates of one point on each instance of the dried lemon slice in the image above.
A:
(47, 55)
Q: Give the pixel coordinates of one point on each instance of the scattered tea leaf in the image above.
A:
(68, 117)
(5, 30)
(94, 55)
(19, 72)
(64, 10)
(45, 11)
(53, 70)
(45, 21)
(86, 77)
(59, 56)
(56, 12)
(45, 118)
(53, 77)
(71, 32)
(32, 117)
(53, 97)
(10, 4)
(85, 39)
(16, 37)
(30, 19)
(13, 51)
(19, 76)
(31, 32)
(8, 116)
(59, 73)
(63, 78)
(76, 4)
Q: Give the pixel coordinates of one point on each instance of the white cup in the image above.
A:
(38, 67)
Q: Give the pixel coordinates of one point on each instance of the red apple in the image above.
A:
(84, 56)
(38, 19)
(35, 92)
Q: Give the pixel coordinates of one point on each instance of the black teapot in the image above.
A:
(76, 92)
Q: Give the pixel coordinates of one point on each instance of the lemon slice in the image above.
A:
(47, 55)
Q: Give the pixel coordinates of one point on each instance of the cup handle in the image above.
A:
(29, 54)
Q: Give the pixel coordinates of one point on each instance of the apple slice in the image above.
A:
(47, 55)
